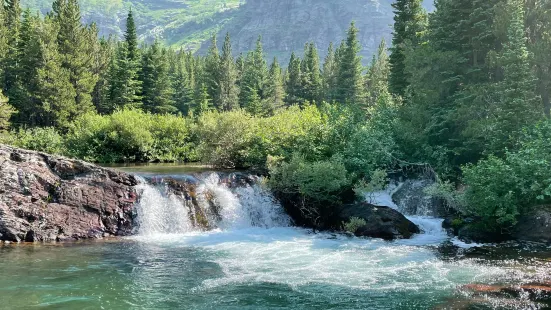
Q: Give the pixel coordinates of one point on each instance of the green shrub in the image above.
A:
(226, 138)
(46, 140)
(311, 189)
(239, 140)
(501, 189)
(130, 136)
(354, 224)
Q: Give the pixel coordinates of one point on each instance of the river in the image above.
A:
(255, 259)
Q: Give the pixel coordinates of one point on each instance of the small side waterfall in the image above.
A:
(431, 226)
(205, 202)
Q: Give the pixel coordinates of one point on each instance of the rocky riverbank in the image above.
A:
(52, 198)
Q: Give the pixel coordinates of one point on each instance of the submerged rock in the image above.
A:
(381, 222)
(48, 198)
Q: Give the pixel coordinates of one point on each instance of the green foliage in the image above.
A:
(322, 181)
(46, 140)
(5, 113)
(378, 181)
(225, 138)
(409, 22)
(501, 189)
(310, 190)
(130, 135)
(354, 224)
(446, 191)
(237, 139)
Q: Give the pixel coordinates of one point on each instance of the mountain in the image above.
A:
(285, 25)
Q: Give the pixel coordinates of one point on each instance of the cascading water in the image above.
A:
(219, 241)
(161, 210)
(431, 227)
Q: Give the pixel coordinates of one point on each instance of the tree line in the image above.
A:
(54, 68)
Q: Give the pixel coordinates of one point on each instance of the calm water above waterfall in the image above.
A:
(252, 258)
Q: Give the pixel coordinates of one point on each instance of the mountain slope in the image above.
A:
(285, 25)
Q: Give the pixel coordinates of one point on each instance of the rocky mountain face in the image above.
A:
(285, 25)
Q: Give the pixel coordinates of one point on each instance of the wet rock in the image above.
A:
(475, 233)
(381, 222)
(535, 226)
(534, 291)
(412, 199)
(48, 198)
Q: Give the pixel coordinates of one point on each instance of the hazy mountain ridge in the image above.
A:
(285, 25)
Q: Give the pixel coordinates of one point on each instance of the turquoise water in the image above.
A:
(279, 268)
(255, 259)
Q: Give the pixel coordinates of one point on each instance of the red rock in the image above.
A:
(47, 198)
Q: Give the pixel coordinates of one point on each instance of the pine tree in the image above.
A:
(5, 113)
(76, 47)
(329, 77)
(125, 85)
(228, 91)
(350, 84)
(156, 88)
(254, 103)
(293, 86)
(310, 74)
(275, 92)
(378, 75)
(254, 75)
(11, 62)
(24, 91)
(203, 103)
(211, 74)
(131, 39)
(181, 83)
(519, 106)
(4, 33)
(409, 21)
(56, 92)
(102, 65)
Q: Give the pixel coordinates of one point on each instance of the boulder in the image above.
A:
(381, 222)
(49, 198)
(412, 199)
(476, 233)
(534, 226)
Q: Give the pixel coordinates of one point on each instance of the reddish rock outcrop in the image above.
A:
(48, 198)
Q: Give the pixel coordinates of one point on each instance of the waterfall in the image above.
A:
(430, 226)
(207, 202)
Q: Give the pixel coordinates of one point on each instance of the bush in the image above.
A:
(501, 189)
(239, 140)
(226, 138)
(311, 189)
(130, 136)
(46, 140)
(354, 224)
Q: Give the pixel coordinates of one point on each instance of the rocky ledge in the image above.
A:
(51, 198)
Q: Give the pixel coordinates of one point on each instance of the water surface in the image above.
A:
(255, 259)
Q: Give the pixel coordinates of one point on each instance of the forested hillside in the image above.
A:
(284, 25)
(463, 97)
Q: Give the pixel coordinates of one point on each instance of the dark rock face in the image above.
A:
(475, 233)
(412, 199)
(382, 222)
(535, 226)
(48, 198)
